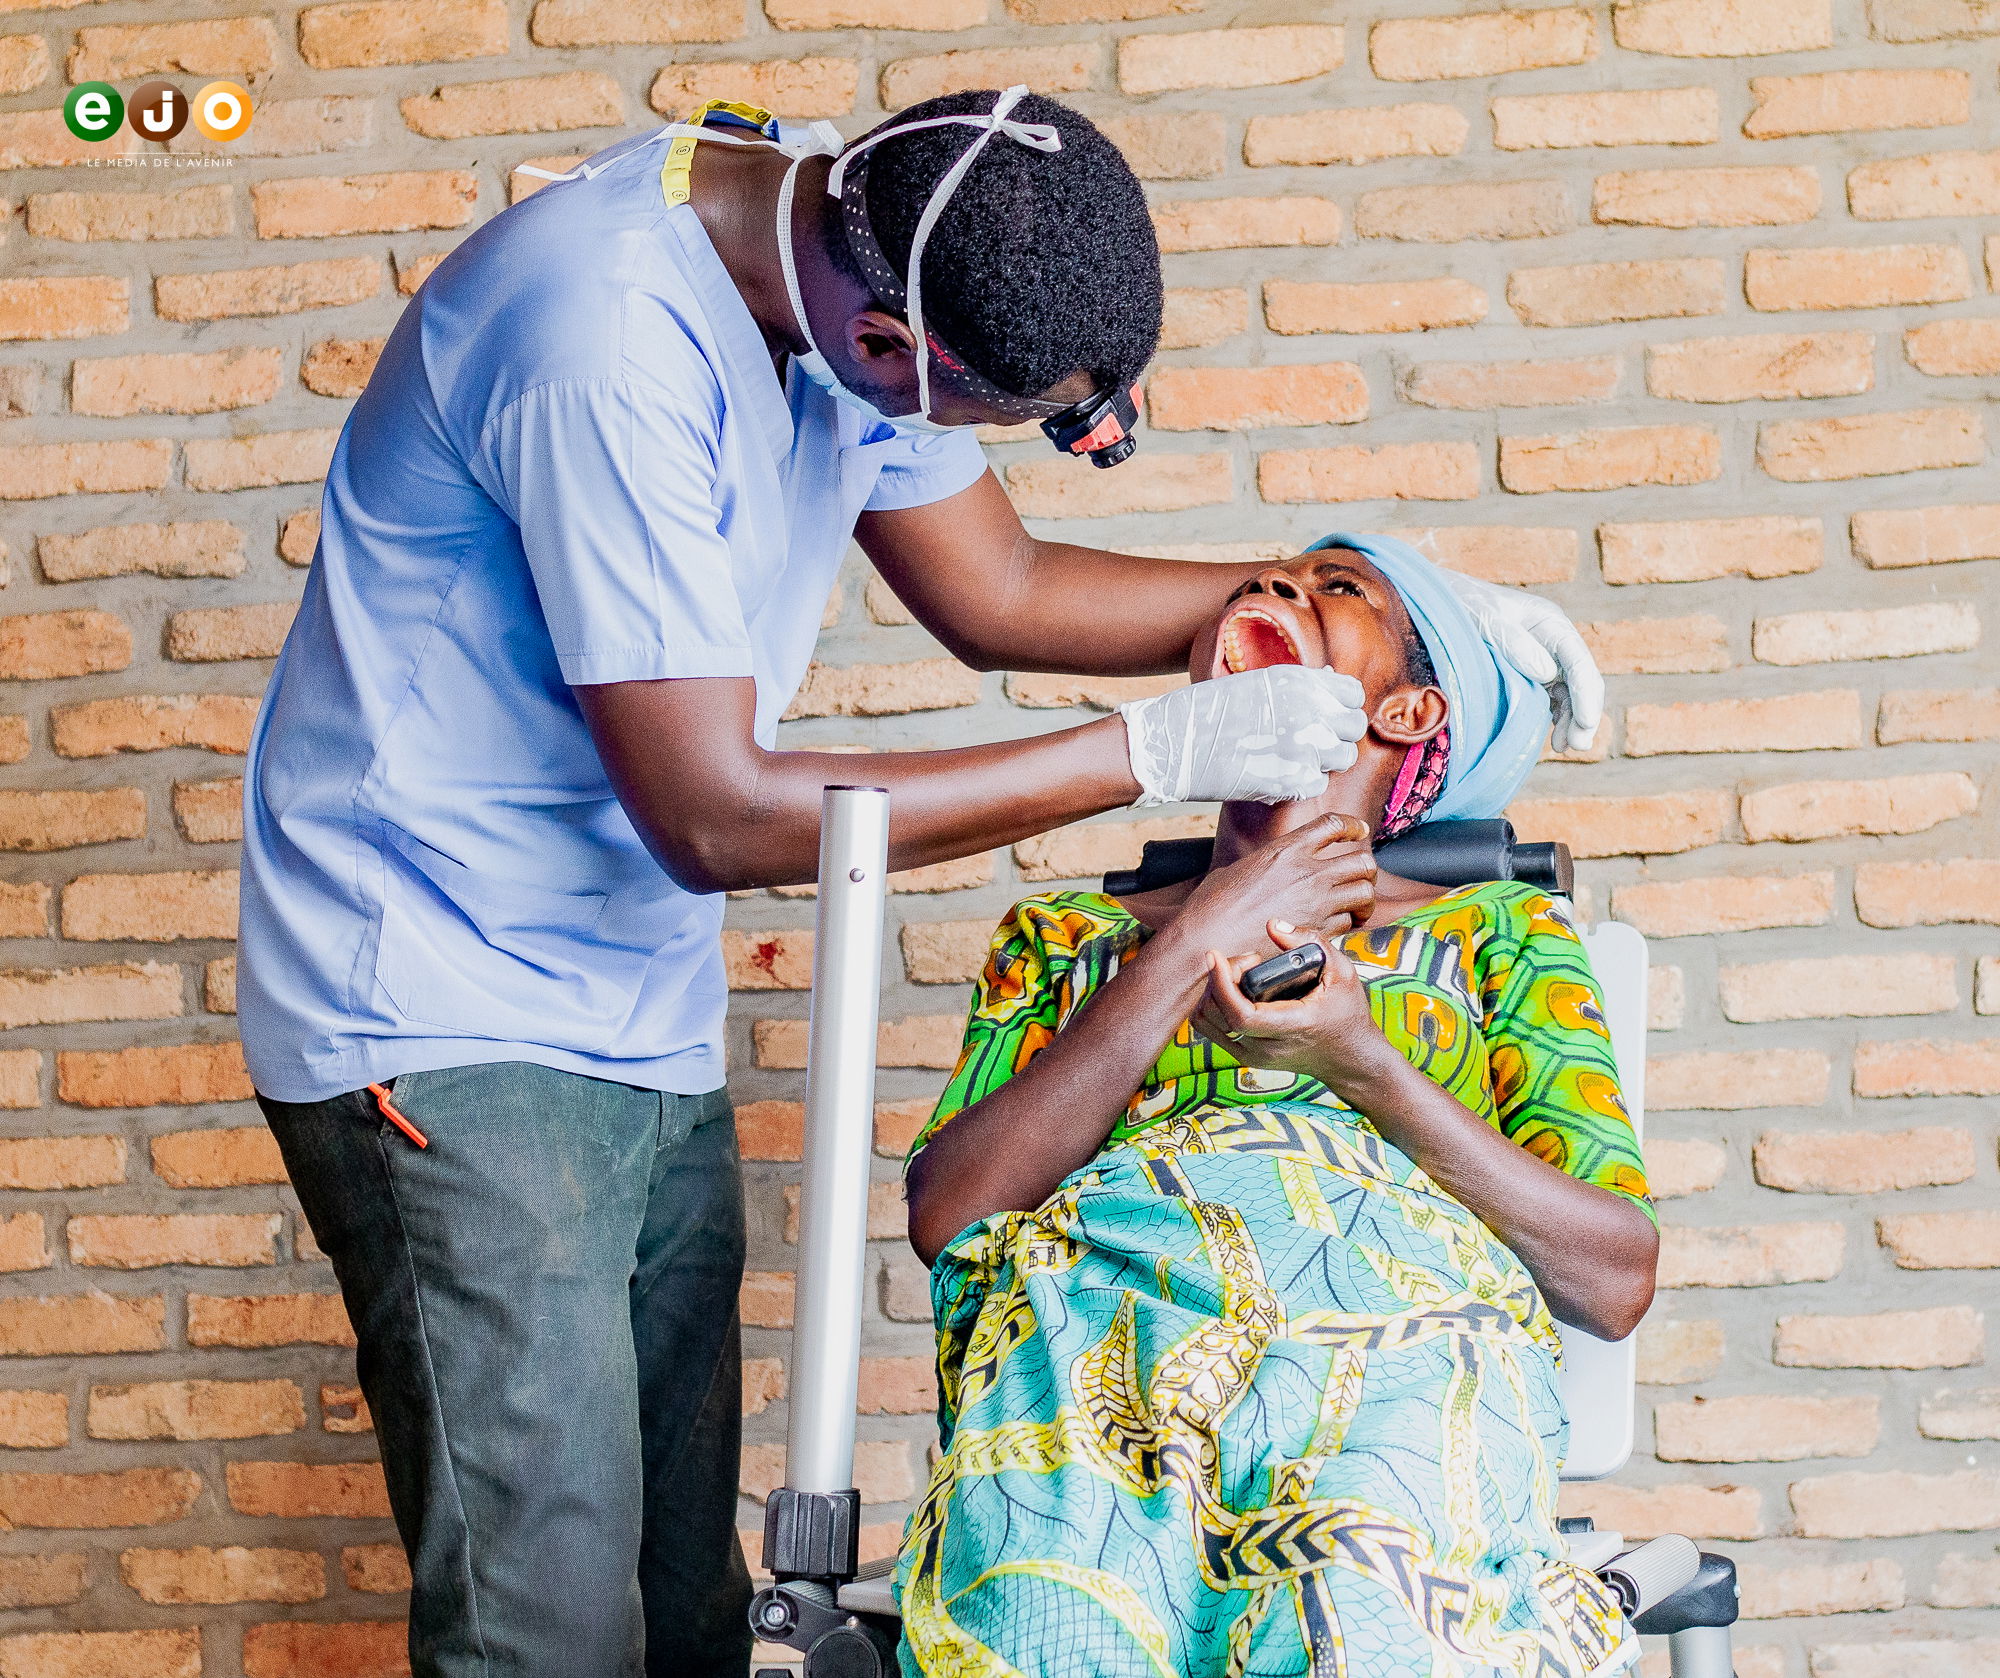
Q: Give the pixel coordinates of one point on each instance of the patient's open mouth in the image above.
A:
(1253, 641)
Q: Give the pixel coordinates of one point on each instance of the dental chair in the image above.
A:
(843, 1618)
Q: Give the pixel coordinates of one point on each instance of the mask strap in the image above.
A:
(786, 260)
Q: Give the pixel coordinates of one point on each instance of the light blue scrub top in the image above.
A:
(573, 465)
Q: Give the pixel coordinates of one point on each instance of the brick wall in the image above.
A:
(1682, 310)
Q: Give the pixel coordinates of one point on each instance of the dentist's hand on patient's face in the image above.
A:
(1267, 736)
(1312, 876)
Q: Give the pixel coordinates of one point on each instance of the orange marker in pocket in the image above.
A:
(389, 1111)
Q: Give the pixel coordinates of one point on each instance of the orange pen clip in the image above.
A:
(389, 1111)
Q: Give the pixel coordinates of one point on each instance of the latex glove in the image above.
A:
(1267, 736)
(1539, 640)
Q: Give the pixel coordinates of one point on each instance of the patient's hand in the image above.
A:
(1320, 874)
(1327, 1034)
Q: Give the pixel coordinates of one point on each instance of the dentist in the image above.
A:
(575, 546)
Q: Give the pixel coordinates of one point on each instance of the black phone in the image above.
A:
(1287, 976)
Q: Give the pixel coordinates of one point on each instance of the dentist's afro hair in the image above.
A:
(1042, 264)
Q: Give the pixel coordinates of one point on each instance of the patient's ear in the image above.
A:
(1410, 715)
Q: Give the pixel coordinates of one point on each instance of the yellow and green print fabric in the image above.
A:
(1249, 1396)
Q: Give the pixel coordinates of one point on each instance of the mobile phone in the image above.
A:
(1286, 976)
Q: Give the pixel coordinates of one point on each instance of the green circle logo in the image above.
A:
(93, 110)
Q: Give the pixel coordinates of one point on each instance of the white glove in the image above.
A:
(1268, 736)
(1539, 640)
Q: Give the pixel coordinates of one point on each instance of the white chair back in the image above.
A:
(1599, 1377)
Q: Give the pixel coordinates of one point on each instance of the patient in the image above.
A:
(1244, 1310)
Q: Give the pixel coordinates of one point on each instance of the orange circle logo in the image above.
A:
(222, 111)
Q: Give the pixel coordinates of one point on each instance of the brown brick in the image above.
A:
(518, 105)
(1488, 43)
(217, 1159)
(209, 812)
(1769, 1593)
(82, 1325)
(879, 690)
(1243, 56)
(195, 212)
(1849, 101)
(137, 1497)
(1037, 692)
(1614, 458)
(1757, 1256)
(15, 745)
(150, 908)
(1046, 69)
(1764, 367)
(1195, 318)
(763, 1383)
(1946, 183)
(1682, 1166)
(1870, 445)
(311, 1649)
(256, 462)
(298, 537)
(283, 290)
(1641, 1513)
(1931, 20)
(1731, 1082)
(1672, 116)
(1673, 1353)
(381, 1569)
(65, 995)
(1839, 987)
(1928, 893)
(1855, 277)
(54, 821)
(1724, 903)
(23, 1242)
(1253, 398)
(242, 47)
(898, 1386)
(1592, 293)
(1858, 1505)
(211, 634)
(1954, 348)
(143, 1241)
(1942, 1240)
(1722, 28)
(1698, 550)
(1157, 483)
(1358, 134)
(340, 366)
(775, 960)
(41, 1581)
(765, 1300)
(40, 140)
(1648, 825)
(1442, 214)
(1908, 1657)
(292, 128)
(195, 1410)
(232, 1574)
(1918, 1068)
(1889, 632)
(920, 1040)
(40, 645)
(375, 32)
(1766, 1428)
(1079, 851)
(1509, 384)
(1939, 714)
(1799, 722)
(214, 722)
(175, 384)
(1832, 809)
(184, 1074)
(1965, 1582)
(945, 952)
(1227, 224)
(1393, 472)
(173, 1653)
(1293, 307)
(798, 88)
(284, 1319)
(24, 62)
(1941, 1337)
(1739, 197)
(61, 1162)
(888, 1218)
(295, 1490)
(343, 1409)
(770, 1129)
(319, 207)
(35, 471)
(1500, 553)
(897, 1124)
(1969, 1413)
(24, 909)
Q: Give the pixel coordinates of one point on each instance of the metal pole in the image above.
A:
(839, 1138)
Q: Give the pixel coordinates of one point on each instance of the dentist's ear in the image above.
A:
(1408, 716)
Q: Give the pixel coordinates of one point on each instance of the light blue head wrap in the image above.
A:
(1499, 717)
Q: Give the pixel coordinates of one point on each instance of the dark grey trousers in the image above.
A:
(545, 1299)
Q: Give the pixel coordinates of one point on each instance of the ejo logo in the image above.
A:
(158, 111)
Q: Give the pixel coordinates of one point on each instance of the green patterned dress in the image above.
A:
(1249, 1393)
